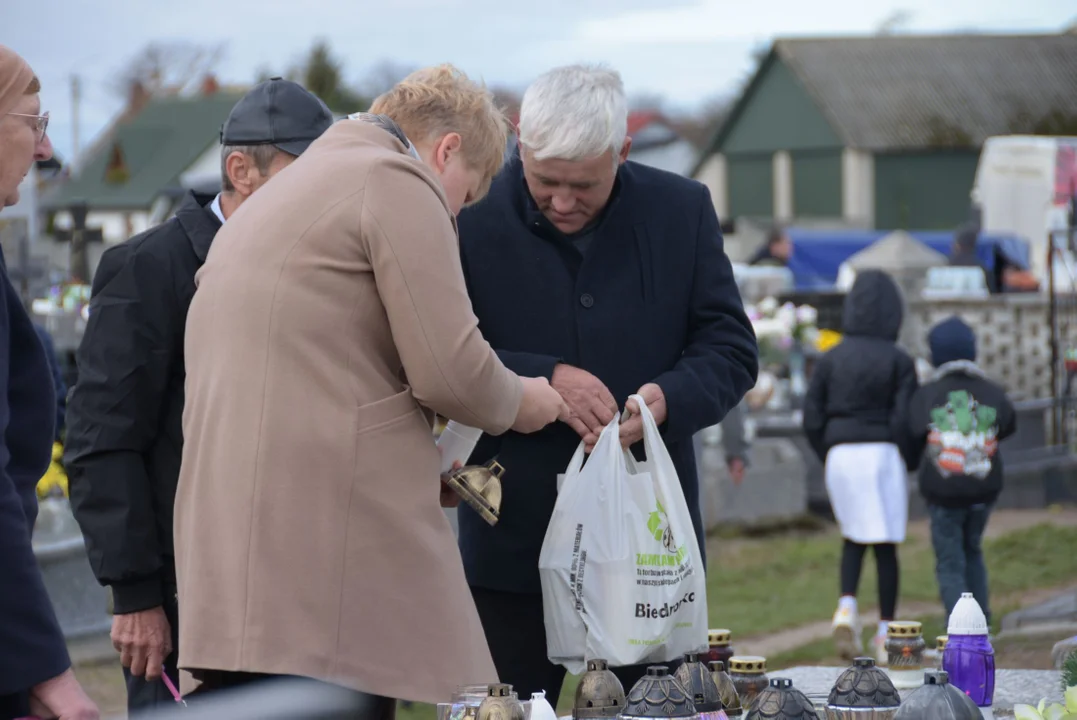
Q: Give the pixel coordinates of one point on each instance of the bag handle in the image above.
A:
(651, 434)
(578, 457)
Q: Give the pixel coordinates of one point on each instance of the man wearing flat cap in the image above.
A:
(124, 437)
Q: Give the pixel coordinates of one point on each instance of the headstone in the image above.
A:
(80, 602)
(1012, 687)
(773, 489)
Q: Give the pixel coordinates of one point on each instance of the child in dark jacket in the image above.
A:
(956, 422)
(854, 419)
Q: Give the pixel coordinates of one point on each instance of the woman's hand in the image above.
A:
(539, 407)
(449, 498)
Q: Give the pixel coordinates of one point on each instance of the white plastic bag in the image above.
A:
(622, 575)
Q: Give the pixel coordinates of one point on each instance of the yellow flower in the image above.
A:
(55, 480)
(826, 340)
(1052, 712)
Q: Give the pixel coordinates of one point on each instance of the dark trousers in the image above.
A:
(886, 565)
(146, 695)
(16, 705)
(516, 633)
(957, 536)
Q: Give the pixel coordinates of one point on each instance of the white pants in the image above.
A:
(868, 489)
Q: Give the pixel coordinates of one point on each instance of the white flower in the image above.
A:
(807, 315)
(768, 305)
(770, 328)
(787, 315)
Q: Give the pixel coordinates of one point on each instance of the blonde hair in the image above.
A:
(432, 102)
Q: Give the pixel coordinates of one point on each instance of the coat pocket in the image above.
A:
(385, 411)
(646, 264)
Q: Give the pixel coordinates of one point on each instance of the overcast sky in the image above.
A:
(685, 50)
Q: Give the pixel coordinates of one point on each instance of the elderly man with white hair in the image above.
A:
(608, 278)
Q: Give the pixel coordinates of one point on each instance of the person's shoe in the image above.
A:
(879, 646)
(846, 631)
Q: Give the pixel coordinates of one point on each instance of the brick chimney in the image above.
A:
(137, 98)
(210, 86)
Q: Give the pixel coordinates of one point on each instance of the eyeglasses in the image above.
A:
(40, 124)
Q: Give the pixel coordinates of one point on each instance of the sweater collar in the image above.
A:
(967, 367)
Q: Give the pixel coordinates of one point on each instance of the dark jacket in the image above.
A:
(956, 422)
(653, 300)
(124, 418)
(860, 390)
(57, 378)
(969, 258)
(32, 647)
(764, 258)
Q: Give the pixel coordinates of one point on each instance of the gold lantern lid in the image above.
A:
(904, 629)
(501, 703)
(719, 636)
(940, 642)
(748, 664)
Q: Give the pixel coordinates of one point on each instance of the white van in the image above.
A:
(1024, 186)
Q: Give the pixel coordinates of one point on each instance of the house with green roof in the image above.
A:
(883, 132)
(134, 174)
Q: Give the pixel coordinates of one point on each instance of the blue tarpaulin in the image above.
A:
(817, 254)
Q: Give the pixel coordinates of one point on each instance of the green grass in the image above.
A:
(757, 586)
(821, 652)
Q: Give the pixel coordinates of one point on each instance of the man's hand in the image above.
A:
(632, 427)
(736, 469)
(590, 404)
(449, 498)
(63, 698)
(144, 640)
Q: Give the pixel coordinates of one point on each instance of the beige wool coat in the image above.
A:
(331, 316)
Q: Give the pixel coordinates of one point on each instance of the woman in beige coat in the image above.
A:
(331, 318)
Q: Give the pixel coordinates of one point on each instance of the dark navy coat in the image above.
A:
(32, 648)
(653, 300)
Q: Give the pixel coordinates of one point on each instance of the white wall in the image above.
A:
(26, 208)
(207, 168)
(676, 157)
(712, 173)
(782, 173)
(858, 188)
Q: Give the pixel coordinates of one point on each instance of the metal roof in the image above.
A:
(895, 92)
(156, 146)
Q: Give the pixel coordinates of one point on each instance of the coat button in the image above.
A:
(586, 300)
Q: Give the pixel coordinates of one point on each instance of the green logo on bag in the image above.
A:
(658, 527)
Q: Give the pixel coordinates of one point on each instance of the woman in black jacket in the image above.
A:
(854, 419)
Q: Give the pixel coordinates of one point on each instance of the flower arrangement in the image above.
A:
(779, 327)
(1053, 712)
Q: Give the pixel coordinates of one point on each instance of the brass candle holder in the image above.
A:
(480, 487)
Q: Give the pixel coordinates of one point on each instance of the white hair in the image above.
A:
(575, 112)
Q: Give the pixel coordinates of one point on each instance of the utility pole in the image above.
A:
(76, 101)
(80, 263)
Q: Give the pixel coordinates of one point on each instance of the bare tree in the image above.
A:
(383, 76)
(508, 100)
(894, 23)
(646, 101)
(167, 68)
(700, 127)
